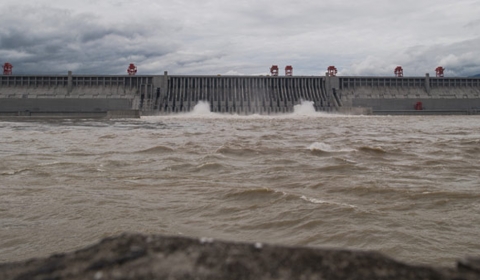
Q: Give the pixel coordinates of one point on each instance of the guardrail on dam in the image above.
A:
(165, 94)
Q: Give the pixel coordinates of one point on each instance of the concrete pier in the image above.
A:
(166, 94)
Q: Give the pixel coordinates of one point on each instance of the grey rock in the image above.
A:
(135, 256)
(470, 264)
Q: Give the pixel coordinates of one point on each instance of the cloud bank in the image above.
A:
(245, 37)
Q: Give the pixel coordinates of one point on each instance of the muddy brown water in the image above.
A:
(406, 186)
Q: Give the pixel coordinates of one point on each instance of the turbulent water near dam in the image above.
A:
(406, 186)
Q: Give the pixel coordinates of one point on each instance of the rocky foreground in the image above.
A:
(135, 256)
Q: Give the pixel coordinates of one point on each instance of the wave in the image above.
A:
(156, 150)
(109, 164)
(255, 193)
(14, 172)
(319, 147)
(269, 137)
(210, 166)
(337, 167)
(108, 136)
(274, 196)
(448, 195)
(376, 150)
(323, 148)
(80, 153)
(240, 152)
(320, 201)
(180, 167)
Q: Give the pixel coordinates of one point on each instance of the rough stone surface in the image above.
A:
(134, 256)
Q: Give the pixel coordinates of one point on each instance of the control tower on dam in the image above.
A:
(95, 95)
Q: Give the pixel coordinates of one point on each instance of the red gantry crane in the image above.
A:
(274, 70)
(289, 70)
(439, 70)
(398, 71)
(132, 69)
(7, 68)
(332, 71)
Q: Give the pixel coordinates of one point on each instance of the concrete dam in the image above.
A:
(95, 96)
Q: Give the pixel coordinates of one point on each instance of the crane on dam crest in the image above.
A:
(132, 69)
(7, 69)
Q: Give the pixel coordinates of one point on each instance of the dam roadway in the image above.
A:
(95, 95)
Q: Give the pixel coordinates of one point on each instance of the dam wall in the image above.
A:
(82, 95)
(431, 106)
(60, 107)
(399, 95)
(167, 94)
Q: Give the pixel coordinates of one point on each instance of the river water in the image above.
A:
(406, 186)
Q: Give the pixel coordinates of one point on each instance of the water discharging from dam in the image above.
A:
(203, 108)
(305, 108)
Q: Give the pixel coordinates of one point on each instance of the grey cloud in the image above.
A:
(458, 59)
(13, 39)
(96, 34)
(49, 40)
(216, 36)
(474, 24)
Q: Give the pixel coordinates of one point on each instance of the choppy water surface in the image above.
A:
(405, 186)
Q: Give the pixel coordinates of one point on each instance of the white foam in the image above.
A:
(305, 108)
(319, 146)
(202, 108)
(319, 201)
(204, 240)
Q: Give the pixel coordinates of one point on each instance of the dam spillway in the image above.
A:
(94, 95)
(242, 95)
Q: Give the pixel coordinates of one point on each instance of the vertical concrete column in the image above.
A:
(328, 88)
(164, 89)
(427, 83)
(165, 80)
(156, 84)
(69, 82)
(334, 83)
(164, 86)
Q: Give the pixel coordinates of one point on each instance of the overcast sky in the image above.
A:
(245, 37)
